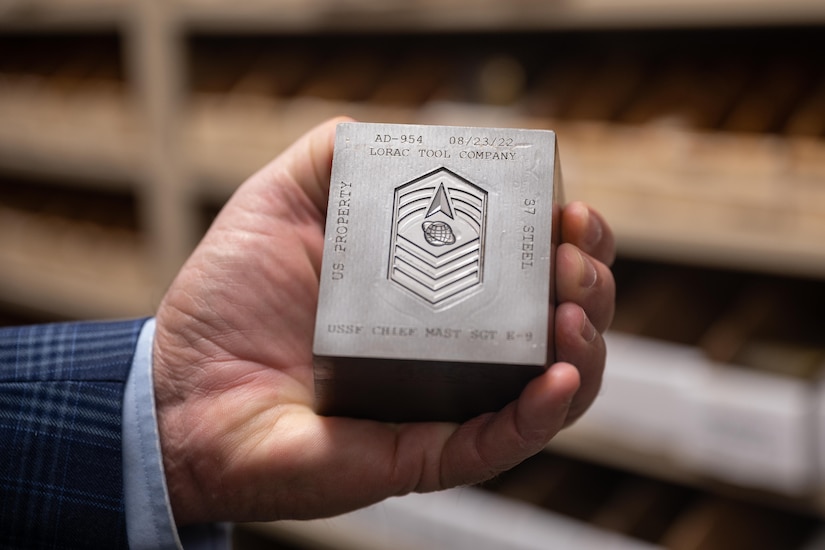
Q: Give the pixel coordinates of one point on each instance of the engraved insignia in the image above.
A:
(437, 245)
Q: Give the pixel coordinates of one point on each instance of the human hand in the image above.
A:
(233, 366)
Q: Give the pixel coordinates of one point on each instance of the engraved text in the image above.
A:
(389, 152)
(528, 237)
(344, 328)
(387, 330)
(487, 155)
(447, 333)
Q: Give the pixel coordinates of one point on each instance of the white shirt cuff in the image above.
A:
(149, 520)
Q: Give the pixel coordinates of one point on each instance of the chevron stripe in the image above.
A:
(435, 273)
(436, 296)
(436, 283)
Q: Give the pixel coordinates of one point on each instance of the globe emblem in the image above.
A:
(438, 233)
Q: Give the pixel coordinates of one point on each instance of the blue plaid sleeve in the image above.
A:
(61, 392)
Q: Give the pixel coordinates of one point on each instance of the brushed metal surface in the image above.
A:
(437, 260)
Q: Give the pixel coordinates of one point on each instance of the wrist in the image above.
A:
(170, 404)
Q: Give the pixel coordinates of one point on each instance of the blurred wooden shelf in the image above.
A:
(731, 200)
(293, 16)
(90, 133)
(550, 501)
(73, 269)
(465, 518)
(81, 15)
(603, 447)
(67, 109)
(596, 444)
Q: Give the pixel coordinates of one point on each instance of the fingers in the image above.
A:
(585, 292)
(585, 228)
(584, 280)
(578, 342)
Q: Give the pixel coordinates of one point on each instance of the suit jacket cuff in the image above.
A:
(61, 398)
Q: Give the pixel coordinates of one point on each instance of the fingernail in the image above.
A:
(588, 331)
(589, 273)
(594, 229)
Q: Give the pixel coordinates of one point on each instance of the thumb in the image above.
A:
(306, 163)
(491, 444)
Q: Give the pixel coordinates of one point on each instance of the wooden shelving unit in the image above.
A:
(81, 15)
(697, 128)
(430, 16)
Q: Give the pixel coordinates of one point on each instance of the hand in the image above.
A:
(233, 366)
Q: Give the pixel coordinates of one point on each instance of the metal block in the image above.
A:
(436, 296)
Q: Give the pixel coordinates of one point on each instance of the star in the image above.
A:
(440, 203)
